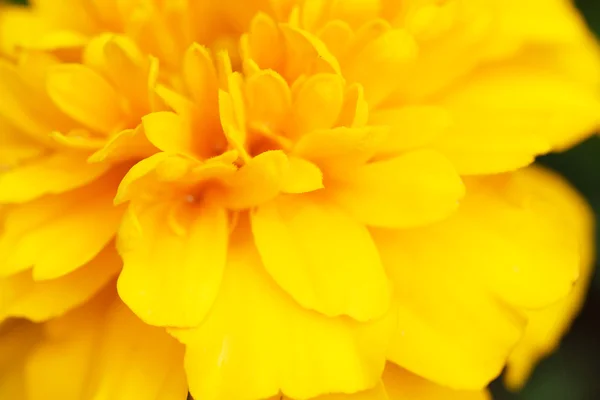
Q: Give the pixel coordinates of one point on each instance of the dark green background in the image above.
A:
(573, 372)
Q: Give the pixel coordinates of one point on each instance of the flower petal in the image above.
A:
(301, 177)
(377, 65)
(546, 327)
(54, 234)
(49, 174)
(171, 275)
(339, 151)
(257, 342)
(322, 257)
(414, 189)
(402, 385)
(411, 127)
(102, 350)
(22, 297)
(317, 104)
(69, 86)
(471, 316)
(257, 182)
(523, 113)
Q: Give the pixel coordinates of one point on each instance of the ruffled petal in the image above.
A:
(257, 342)
(102, 350)
(546, 327)
(322, 257)
(505, 251)
(174, 256)
(23, 297)
(57, 234)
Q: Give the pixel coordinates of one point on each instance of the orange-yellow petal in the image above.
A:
(334, 269)
(17, 339)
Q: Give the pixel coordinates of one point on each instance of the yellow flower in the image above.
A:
(313, 197)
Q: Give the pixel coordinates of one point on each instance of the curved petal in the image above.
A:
(49, 174)
(402, 385)
(23, 297)
(462, 286)
(57, 234)
(322, 257)
(69, 86)
(507, 114)
(413, 189)
(257, 342)
(102, 350)
(174, 256)
(546, 327)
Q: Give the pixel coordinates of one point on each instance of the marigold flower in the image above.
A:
(317, 199)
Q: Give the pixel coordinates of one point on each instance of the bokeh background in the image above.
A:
(573, 372)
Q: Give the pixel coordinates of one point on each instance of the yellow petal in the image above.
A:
(17, 147)
(339, 151)
(322, 257)
(50, 174)
(301, 177)
(377, 65)
(70, 85)
(506, 115)
(200, 76)
(546, 327)
(306, 54)
(263, 43)
(414, 189)
(472, 316)
(317, 104)
(19, 26)
(410, 127)
(171, 277)
(124, 145)
(40, 234)
(21, 296)
(102, 351)
(257, 342)
(269, 100)
(168, 132)
(402, 385)
(257, 182)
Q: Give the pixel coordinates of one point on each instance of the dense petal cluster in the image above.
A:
(299, 199)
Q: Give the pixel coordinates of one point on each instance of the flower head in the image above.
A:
(313, 197)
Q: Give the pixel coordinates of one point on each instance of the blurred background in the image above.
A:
(572, 372)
